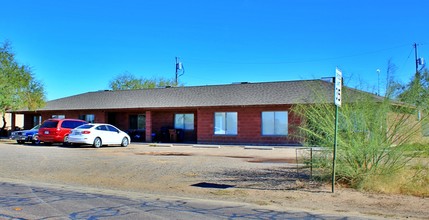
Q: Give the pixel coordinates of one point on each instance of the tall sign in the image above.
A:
(338, 85)
(337, 101)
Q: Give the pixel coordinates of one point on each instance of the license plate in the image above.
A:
(46, 132)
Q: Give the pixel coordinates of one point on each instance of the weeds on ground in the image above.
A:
(412, 180)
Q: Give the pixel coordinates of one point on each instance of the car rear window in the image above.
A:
(85, 126)
(49, 124)
(72, 124)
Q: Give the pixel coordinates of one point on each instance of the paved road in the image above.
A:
(22, 201)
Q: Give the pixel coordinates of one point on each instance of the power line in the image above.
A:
(298, 61)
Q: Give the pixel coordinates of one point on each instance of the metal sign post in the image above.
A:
(337, 101)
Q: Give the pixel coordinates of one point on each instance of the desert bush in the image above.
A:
(372, 134)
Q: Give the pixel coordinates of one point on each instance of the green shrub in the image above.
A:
(372, 133)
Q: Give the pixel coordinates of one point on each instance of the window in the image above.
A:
(137, 122)
(275, 123)
(71, 124)
(59, 116)
(86, 126)
(112, 129)
(49, 124)
(101, 128)
(37, 120)
(88, 118)
(225, 123)
(184, 121)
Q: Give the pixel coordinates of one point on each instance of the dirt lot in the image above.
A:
(263, 177)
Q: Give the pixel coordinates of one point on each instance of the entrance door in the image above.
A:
(111, 118)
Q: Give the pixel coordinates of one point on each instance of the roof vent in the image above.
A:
(235, 83)
(328, 79)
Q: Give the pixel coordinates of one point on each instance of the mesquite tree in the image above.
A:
(19, 88)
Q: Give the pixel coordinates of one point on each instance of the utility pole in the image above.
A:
(179, 67)
(378, 81)
(415, 56)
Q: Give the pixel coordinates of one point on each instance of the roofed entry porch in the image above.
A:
(171, 126)
(156, 126)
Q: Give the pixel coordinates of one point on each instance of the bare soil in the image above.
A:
(269, 178)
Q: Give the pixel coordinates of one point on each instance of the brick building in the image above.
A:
(242, 113)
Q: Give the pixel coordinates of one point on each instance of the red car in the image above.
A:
(57, 130)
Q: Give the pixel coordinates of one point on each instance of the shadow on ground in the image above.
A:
(268, 179)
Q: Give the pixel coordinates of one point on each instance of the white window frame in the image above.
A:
(225, 123)
(271, 123)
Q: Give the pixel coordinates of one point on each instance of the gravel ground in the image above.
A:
(231, 173)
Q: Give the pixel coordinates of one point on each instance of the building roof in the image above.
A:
(240, 94)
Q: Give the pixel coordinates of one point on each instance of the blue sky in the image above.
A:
(78, 46)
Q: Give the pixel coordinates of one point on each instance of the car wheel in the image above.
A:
(66, 141)
(35, 140)
(97, 143)
(124, 142)
(20, 142)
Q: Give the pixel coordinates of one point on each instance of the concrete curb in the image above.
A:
(258, 148)
(206, 146)
(160, 145)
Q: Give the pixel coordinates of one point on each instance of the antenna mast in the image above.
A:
(179, 67)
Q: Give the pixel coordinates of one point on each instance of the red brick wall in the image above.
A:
(162, 119)
(149, 126)
(249, 126)
(100, 116)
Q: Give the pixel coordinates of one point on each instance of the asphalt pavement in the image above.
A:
(24, 201)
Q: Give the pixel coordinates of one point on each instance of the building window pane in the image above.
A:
(220, 123)
(267, 123)
(37, 120)
(184, 121)
(137, 122)
(275, 123)
(141, 122)
(90, 118)
(226, 123)
(189, 121)
(59, 116)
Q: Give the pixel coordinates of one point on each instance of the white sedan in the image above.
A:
(98, 135)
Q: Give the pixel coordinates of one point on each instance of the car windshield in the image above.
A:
(36, 127)
(86, 126)
(49, 124)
